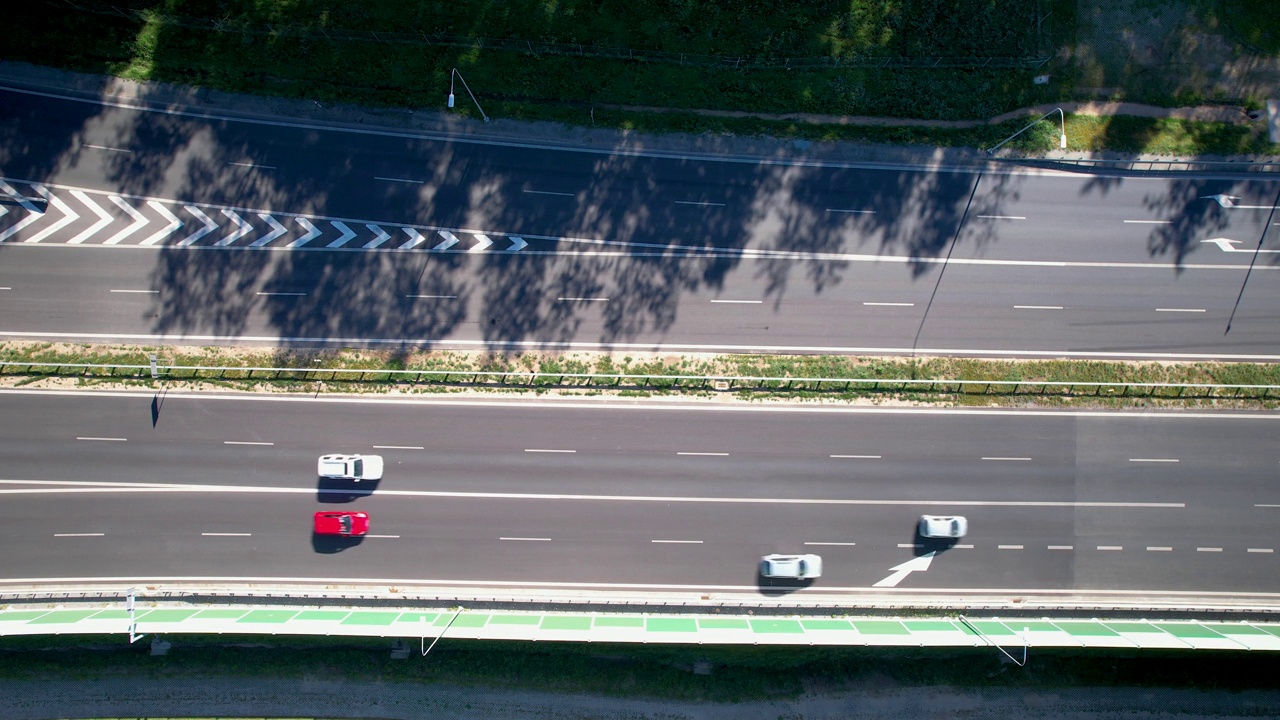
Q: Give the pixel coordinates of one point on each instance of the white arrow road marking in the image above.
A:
(380, 236)
(1228, 246)
(276, 231)
(415, 240)
(919, 564)
(482, 243)
(138, 221)
(167, 230)
(517, 244)
(34, 216)
(209, 226)
(449, 240)
(347, 233)
(68, 216)
(242, 228)
(312, 233)
(1231, 201)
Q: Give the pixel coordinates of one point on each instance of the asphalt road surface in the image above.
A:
(124, 224)
(609, 496)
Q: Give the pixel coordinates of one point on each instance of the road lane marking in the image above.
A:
(1002, 217)
(1208, 549)
(1261, 550)
(400, 180)
(704, 204)
(140, 292)
(833, 544)
(1110, 547)
(1015, 459)
(525, 539)
(6, 288)
(1268, 506)
(1037, 307)
(104, 439)
(852, 212)
(226, 534)
(284, 294)
(1186, 310)
(583, 299)
(543, 450)
(705, 454)
(384, 537)
(78, 534)
(1062, 547)
(858, 457)
(961, 547)
(1009, 547)
(245, 442)
(438, 297)
(678, 542)
(104, 147)
(907, 545)
(738, 302)
(253, 165)
(1149, 222)
(1151, 548)
(398, 447)
(547, 192)
(1155, 460)
(889, 304)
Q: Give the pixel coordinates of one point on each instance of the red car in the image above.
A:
(341, 522)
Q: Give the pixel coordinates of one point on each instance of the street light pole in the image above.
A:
(457, 74)
(1062, 139)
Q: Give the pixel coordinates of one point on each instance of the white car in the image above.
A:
(940, 526)
(350, 467)
(796, 567)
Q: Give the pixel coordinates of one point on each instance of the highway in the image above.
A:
(122, 224)
(593, 495)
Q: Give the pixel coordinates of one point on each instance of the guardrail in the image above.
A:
(621, 381)
(1152, 166)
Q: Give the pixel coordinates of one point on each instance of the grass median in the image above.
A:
(818, 378)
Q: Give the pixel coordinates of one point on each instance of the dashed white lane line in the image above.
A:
(78, 534)
(1038, 307)
(6, 288)
(253, 165)
(398, 447)
(282, 294)
(1009, 547)
(1062, 547)
(547, 450)
(217, 534)
(677, 542)
(384, 537)
(704, 204)
(583, 299)
(858, 457)
(434, 297)
(547, 192)
(1152, 548)
(851, 212)
(889, 304)
(1002, 217)
(1110, 547)
(526, 539)
(738, 302)
(400, 180)
(1014, 459)
(137, 292)
(1155, 460)
(705, 454)
(109, 149)
(1208, 549)
(1261, 550)
(245, 442)
(1268, 506)
(833, 544)
(1185, 310)
(1149, 222)
(104, 439)
(962, 547)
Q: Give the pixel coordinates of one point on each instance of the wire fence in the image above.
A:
(640, 382)
(537, 48)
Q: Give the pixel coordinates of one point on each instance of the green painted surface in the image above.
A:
(992, 628)
(166, 615)
(1133, 627)
(515, 619)
(1233, 629)
(1187, 630)
(269, 617)
(723, 624)
(322, 615)
(1086, 629)
(631, 622)
(929, 626)
(21, 615)
(776, 626)
(62, 616)
(1032, 625)
(415, 617)
(1271, 629)
(114, 614)
(565, 622)
(465, 620)
(370, 618)
(671, 625)
(219, 614)
(880, 627)
(826, 625)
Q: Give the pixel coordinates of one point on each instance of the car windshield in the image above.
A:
(358, 468)
(344, 522)
(955, 525)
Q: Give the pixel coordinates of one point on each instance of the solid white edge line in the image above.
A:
(384, 537)
(677, 542)
(104, 439)
(400, 180)
(546, 450)
(526, 539)
(1185, 310)
(858, 457)
(705, 454)
(139, 292)
(852, 212)
(1002, 217)
(1154, 460)
(583, 299)
(548, 192)
(104, 147)
(738, 302)
(889, 304)
(439, 297)
(398, 447)
(225, 534)
(1038, 307)
(834, 544)
(79, 534)
(1149, 222)
(1014, 459)
(701, 204)
(253, 165)
(245, 442)
(283, 294)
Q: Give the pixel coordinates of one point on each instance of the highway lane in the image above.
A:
(1057, 501)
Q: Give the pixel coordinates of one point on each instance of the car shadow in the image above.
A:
(331, 544)
(330, 490)
(777, 587)
(924, 546)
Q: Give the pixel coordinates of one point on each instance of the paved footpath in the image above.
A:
(224, 697)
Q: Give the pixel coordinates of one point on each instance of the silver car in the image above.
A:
(796, 567)
(943, 526)
(350, 467)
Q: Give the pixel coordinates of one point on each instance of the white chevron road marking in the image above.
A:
(68, 215)
(139, 220)
(167, 230)
(482, 243)
(209, 226)
(415, 239)
(242, 228)
(312, 233)
(347, 234)
(276, 231)
(34, 211)
(449, 240)
(379, 236)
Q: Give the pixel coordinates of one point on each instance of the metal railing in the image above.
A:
(1153, 166)
(643, 382)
